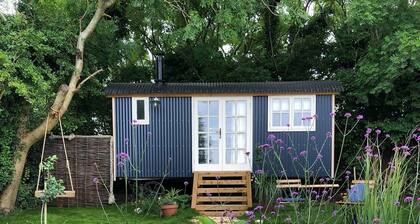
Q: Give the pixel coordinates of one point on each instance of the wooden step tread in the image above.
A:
(221, 213)
(222, 190)
(222, 182)
(220, 207)
(221, 199)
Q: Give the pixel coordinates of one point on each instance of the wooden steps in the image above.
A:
(221, 193)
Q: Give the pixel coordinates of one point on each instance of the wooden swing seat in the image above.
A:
(66, 194)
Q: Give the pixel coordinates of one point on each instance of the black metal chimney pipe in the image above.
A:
(159, 68)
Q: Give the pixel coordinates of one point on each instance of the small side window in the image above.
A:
(140, 110)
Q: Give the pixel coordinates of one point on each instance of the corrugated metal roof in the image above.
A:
(192, 88)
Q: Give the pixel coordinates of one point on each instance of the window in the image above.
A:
(285, 113)
(140, 110)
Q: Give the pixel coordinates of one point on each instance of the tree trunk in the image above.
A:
(61, 103)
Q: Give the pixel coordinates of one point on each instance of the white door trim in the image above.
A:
(222, 166)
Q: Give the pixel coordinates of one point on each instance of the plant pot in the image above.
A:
(168, 209)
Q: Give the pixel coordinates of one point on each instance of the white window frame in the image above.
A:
(291, 127)
(136, 121)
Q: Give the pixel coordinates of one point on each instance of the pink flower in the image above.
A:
(347, 115)
(95, 180)
(359, 117)
(368, 130)
(303, 153)
(271, 137)
(378, 131)
(332, 114)
(408, 199)
(186, 183)
(313, 138)
(387, 136)
(319, 156)
(329, 135)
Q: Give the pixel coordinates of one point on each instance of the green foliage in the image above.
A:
(52, 186)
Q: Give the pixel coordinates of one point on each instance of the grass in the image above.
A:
(96, 216)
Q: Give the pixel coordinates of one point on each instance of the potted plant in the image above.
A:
(168, 203)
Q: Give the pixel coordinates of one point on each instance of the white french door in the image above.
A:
(222, 133)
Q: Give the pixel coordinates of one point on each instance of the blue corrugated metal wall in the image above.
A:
(163, 146)
(297, 140)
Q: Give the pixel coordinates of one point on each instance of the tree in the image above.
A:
(28, 137)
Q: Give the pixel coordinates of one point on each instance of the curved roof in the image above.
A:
(193, 88)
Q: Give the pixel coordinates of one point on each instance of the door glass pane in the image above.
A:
(213, 124)
(230, 109)
(213, 108)
(240, 141)
(213, 156)
(202, 124)
(202, 108)
(241, 124)
(230, 156)
(230, 140)
(297, 104)
(202, 156)
(230, 124)
(213, 141)
(241, 157)
(203, 141)
(240, 108)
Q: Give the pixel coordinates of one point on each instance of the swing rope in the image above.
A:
(55, 112)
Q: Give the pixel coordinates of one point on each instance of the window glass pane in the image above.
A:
(306, 122)
(230, 109)
(140, 110)
(285, 105)
(276, 105)
(203, 124)
(297, 120)
(230, 140)
(213, 108)
(241, 141)
(202, 108)
(276, 120)
(213, 156)
(203, 140)
(213, 124)
(241, 124)
(213, 141)
(202, 156)
(230, 124)
(306, 102)
(284, 121)
(241, 157)
(230, 156)
(240, 108)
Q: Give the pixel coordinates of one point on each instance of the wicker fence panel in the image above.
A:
(89, 157)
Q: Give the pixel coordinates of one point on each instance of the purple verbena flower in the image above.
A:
(295, 193)
(387, 136)
(279, 141)
(271, 137)
(259, 171)
(249, 213)
(303, 153)
(329, 134)
(332, 114)
(347, 115)
(279, 200)
(359, 117)
(95, 180)
(378, 131)
(258, 208)
(319, 156)
(264, 146)
(295, 158)
(186, 183)
(322, 180)
(368, 130)
(313, 138)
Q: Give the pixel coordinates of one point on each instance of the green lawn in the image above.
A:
(96, 215)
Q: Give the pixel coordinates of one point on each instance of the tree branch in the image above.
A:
(89, 77)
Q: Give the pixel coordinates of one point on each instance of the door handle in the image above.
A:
(220, 133)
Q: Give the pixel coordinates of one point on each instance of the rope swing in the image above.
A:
(67, 194)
